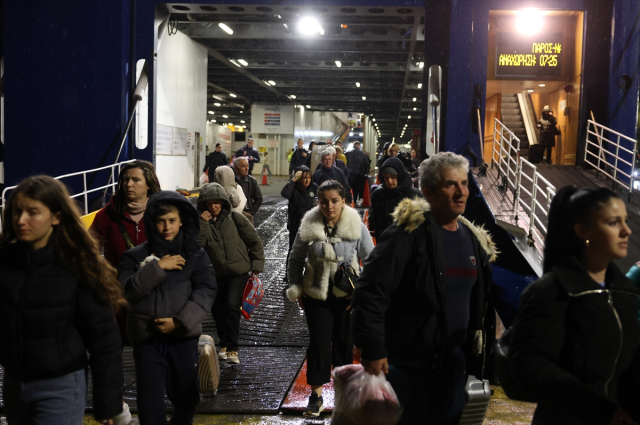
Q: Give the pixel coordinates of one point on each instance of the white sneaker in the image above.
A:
(222, 354)
(232, 357)
(123, 418)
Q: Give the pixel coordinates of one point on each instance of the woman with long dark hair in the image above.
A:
(57, 302)
(576, 331)
(330, 234)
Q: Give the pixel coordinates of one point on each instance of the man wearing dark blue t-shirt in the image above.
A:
(423, 305)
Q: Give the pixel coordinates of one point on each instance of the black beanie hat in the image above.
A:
(388, 170)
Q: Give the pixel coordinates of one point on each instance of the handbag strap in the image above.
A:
(123, 231)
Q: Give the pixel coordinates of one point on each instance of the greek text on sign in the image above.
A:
(516, 57)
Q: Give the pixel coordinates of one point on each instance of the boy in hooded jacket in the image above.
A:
(170, 285)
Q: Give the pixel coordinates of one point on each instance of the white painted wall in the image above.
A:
(181, 102)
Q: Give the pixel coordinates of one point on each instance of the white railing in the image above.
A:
(113, 182)
(539, 187)
(505, 146)
(612, 159)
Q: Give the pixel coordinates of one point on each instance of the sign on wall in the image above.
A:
(171, 140)
(272, 119)
(539, 56)
(273, 143)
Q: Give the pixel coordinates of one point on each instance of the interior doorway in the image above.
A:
(535, 59)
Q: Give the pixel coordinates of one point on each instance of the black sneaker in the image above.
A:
(315, 405)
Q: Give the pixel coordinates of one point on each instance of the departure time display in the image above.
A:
(516, 57)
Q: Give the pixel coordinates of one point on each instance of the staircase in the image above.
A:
(512, 119)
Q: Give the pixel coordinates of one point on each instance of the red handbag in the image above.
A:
(252, 296)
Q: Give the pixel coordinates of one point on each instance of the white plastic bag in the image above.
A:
(204, 178)
(363, 399)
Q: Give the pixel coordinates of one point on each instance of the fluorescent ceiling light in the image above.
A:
(409, 117)
(267, 83)
(235, 63)
(225, 116)
(243, 62)
(357, 84)
(242, 121)
(244, 126)
(232, 95)
(216, 104)
(415, 109)
(364, 97)
(530, 90)
(529, 21)
(242, 112)
(213, 120)
(211, 112)
(541, 85)
(419, 85)
(225, 28)
(421, 65)
(374, 120)
(309, 26)
(308, 106)
(231, 124)
(415, 98)
(320, 30)
(292, 96)
(273, 83)
(338, 64)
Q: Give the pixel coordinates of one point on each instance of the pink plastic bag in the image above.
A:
(363, 399)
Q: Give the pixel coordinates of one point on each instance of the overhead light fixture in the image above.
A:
(242, 112)
(415, 109)
(415, 98)
(419, 85)
(292, 96)
(243, 62)
(216, 104)
(374, 120)
(213, 120)
(529, 21)
(225, 28)
(211, 112)
(267, 83)
(364, 97)
(235, 63)
(244, 126)
(409, 117)
(361, 134)
(421, 65)
(338, 64)
(541, 85)
(309, 26)
(242, 121)
(357, 84)
(231, 124)
(308, 106)
(225, 116)
(273, 83)
(232, 95)
(320, 30)
(530, 90)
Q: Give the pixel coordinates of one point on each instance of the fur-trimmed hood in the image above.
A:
(348, 227)
(409, 214)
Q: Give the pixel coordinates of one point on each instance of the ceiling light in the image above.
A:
(409, 117)
(243, 62)
(374, 120)
(361, 134)
(415, 98)
(541, 85)
(235, 63)
(351, 134)
(231, 124)
(338, 64)
(421, 65)
(364, 97)
(232, 95)
(357, 84)
(225, 28)
(267, 83)
(242, 121)
(415, 109)
(529, 21)
(273, 83)
(213, 120)
(292, 96)
(308, 106)
(244, 126)
(216, 104)
(211, 112)
(320, 30)
(309, 26)
(530, 90)
(225, 116)
(419, 85)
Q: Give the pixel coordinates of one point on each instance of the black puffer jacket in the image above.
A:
(152, 292)
(214, 160)
(301, 200)
(385, 200)
(298, 157)
(358, 161)
(48, 322)
(399, 305)
(323, 174)
(572, 345)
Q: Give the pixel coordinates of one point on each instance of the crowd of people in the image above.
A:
(418, 301)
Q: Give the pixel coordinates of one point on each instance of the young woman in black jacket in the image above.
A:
(301, 192)
(57, 301)
(576, 331)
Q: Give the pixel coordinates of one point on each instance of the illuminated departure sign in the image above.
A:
(532, 58)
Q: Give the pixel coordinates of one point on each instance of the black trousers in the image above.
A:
(171, 363)
(357, 182)
(548, 155)
(292, 238)
(330, 341)
(226, 309)
(434, 396)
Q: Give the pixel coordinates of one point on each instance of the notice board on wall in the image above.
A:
(171, 140)
(272, 119)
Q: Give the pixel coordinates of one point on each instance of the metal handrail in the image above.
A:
(611, 152)
(113, 182)
(507, 168)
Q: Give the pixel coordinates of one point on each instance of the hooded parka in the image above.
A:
(399, 304)
(186, 295)
(301, 199)
(384, 200)
(231, 242)
(572, 345)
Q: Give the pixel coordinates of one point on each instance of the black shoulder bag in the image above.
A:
(125, 234)
(345, 277)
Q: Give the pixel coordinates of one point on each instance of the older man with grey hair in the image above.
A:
(423, 306)
(326, 171)
(249, 186)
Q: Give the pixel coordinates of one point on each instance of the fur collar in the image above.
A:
(312, 226)
(410, 214)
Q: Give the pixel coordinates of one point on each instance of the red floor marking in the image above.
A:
(298, 395)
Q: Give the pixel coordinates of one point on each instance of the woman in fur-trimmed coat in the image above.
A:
(330, 234)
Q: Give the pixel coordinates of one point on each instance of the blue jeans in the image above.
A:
(56, 401)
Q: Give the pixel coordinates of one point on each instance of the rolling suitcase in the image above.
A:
(536, 152)
(478, 396)
(208, 367)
